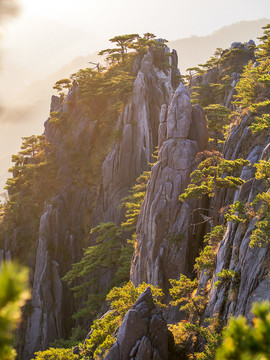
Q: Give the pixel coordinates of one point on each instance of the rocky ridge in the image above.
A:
(167, 238)
(234, 253)
(166, 244)
(61, 233)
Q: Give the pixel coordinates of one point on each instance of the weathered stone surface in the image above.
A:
(145, 350)
(48, 319)
(236, 45)
(179, 114)
(61, 228)
(250, 43)
(234, 253)
(141, 336)
(198, 128)
(145, 298)
(155, 324)
(139, 126)
(114, 353)
(162, 130)
(133, 327)
(44, 323)
(135, 349)
(5, 255)
(2, 256)
(164, 236)
(156, 355)
(56, 104)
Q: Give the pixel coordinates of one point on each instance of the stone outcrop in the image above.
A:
(251, 265)
(242, 54)
(78, 205)
(50, 302)
(143, 334)
(166, 244)
(138, 125)
(169, 236)
(4, 256)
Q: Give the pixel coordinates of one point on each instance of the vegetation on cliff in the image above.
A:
(33, 182)
(13, 295)
(213, 173)
(196, 336)
(244, 341)
(103, 94)
(103, 331)
(113, 252)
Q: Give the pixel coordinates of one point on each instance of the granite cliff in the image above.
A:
(79, 204)
(96, 168)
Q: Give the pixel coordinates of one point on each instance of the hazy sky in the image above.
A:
(172, 19)
(39, 24)
(50, 33)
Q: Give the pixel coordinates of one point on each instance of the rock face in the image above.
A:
(143, 334)
(80, 205)
(234, 297)
(236, 58)
(166, 244)
(138, 125)
(168, 234)
(50, 300)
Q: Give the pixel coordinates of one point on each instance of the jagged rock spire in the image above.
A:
(166, 245)
(143, 334)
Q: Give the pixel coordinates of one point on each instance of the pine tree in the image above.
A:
(243, 341)
(123, 43)
(217, 119)
(264, 48)
(33, 182)
(260, 236)
(213, 173)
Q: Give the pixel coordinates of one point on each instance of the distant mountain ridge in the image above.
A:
(26, 112)
(197, 49)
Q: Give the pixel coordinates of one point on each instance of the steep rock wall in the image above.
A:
(166, 243)
(251, 265)
(138, 125)
(62, 226)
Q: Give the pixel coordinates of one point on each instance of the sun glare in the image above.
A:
(33, 7)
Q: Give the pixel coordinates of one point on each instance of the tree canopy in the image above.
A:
(213, 174)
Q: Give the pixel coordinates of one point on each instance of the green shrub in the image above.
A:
(238, 212)
(224, 276)
(55, 354)
(243, 341)
(260, 236)
(121, 300)
(215, 235)
(13, 295)
(206, 259)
